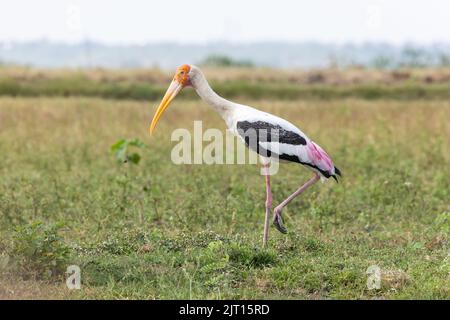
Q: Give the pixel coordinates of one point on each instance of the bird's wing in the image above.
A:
(271, 136)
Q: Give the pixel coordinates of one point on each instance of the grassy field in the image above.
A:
(162, 231)
(241, 83)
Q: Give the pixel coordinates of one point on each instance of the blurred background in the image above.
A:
(287, 34)
(117, 49)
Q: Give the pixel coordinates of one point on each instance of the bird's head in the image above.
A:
(180, 80)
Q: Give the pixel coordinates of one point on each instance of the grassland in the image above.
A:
(241, 83)
(164, 231)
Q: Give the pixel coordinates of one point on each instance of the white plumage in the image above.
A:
(274, 138)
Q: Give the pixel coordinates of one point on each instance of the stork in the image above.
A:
(281, 139)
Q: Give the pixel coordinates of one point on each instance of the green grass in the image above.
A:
(162, 231)
(70, 87)
(247, 83)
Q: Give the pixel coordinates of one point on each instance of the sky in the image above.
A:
(239, 21)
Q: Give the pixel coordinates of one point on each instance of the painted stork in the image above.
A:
(281, 139)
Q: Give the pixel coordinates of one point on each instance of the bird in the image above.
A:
(273, 138)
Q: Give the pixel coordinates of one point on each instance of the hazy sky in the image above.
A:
(142, 21)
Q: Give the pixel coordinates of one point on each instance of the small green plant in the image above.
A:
(39, 250)
(121, 150)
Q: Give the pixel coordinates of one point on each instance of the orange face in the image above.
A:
(180, 80)
(182, 75)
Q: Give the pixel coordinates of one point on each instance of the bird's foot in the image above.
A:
(278, 222)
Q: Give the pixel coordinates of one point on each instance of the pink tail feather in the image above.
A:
(320, 158)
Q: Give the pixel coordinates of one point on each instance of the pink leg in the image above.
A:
(277, 218)
(268, 207)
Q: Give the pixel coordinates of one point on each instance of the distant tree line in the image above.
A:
(216, 60)
(408, 58)
(411, 58)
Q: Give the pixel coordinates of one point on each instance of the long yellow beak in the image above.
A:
(174, 88)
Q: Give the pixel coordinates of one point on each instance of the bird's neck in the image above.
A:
(221, 105)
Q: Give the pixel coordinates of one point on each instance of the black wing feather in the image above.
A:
(268, 132)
